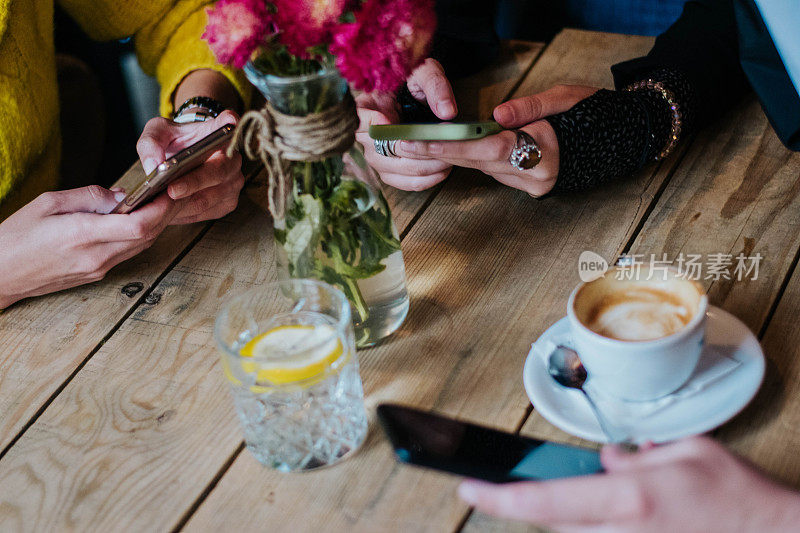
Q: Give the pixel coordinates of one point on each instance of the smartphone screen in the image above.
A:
(434, 441)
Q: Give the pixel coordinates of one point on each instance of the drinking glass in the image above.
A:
(288, 351)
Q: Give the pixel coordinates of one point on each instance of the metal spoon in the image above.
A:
(566, 368)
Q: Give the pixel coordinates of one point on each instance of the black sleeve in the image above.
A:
(613, 134)
(703, 45)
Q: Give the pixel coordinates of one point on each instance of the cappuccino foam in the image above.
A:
(639, 314)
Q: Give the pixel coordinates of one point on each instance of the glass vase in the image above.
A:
(337, 225)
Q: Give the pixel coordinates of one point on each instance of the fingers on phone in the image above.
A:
(143, 224)
(217, 169)
(435, 88)
(406, 166)
(152, 144)
(493, 148)
(210, 203)
(90, 199)
(370, 117)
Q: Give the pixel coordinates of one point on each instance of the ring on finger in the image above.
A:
(385, 148)
(526, 153)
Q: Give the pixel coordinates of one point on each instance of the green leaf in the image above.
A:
(303, 233)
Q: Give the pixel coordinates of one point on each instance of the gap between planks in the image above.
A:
(417, 215)
(111, 332)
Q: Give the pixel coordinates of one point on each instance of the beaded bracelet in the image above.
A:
(669, 97)
(204, 109)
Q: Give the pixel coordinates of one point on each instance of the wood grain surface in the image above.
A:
(488, 269)
(92, 456)
(114, 414)
(44, 340)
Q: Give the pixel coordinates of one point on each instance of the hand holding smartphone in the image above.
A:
(174, 167)
(433, 441)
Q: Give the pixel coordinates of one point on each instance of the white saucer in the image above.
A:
(716, 403)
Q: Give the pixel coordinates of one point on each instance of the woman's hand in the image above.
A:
(62, 239)
(690, 485)
(209, 191)
(491, 154)
(428, 84)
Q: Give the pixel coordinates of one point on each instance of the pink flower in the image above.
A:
(387, 41)
(236, 28)
(303, 24)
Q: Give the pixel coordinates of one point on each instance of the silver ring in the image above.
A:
(385, 148)
(526, 153)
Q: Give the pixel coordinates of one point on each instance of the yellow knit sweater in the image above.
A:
(167, 36)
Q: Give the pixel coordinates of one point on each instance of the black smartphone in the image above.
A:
(179, 164)
(433, 441)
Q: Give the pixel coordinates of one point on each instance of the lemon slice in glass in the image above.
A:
(287, 354)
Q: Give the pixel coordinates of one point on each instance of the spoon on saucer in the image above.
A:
(566, 368)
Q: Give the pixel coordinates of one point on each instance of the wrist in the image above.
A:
(208, 83)
(600, 139)
(198, 109)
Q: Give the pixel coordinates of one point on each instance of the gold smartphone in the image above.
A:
(176, 166)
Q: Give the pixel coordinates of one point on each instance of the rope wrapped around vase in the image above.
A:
(277, 138)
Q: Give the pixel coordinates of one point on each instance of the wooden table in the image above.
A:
(114, 414)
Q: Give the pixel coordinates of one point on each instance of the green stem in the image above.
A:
(358, 298)
(308, 187)
(276, 70)
(323, 93)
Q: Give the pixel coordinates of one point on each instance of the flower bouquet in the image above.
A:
(331, 220)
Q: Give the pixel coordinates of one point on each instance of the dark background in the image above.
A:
(467, 40)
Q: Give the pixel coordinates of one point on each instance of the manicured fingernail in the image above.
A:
(149, 164)
(505, 113)
(177, 190)
(446, 108)
(119, 196)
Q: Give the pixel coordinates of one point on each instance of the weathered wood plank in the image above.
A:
(108, 451)
(737, 190)
(768, 430)
(104, 455)
(489, 268)
(43, 340)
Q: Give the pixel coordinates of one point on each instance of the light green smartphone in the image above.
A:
(444, 131)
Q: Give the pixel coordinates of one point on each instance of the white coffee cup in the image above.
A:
(639, 333)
